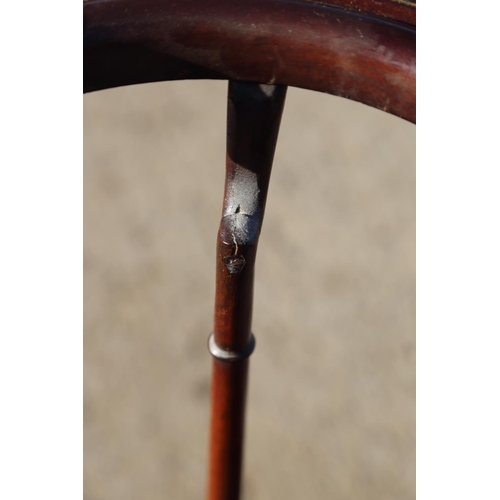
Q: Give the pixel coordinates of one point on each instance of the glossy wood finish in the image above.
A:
(360, 49)
(254, 115)
(368, 57)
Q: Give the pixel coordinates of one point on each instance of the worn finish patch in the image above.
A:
(242, 193)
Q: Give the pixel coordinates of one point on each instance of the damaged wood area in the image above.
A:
(254, 115)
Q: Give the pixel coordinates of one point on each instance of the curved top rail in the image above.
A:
(298, 43)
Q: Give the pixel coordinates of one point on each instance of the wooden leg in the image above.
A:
(254, 115)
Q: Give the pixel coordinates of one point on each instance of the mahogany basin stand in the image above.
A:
(359, 49)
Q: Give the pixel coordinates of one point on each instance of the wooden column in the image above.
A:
(254, 115)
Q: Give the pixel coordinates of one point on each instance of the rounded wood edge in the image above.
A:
(301, 44)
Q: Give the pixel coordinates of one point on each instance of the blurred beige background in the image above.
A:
(331, 407)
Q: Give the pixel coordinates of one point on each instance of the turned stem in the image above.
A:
(254, 115)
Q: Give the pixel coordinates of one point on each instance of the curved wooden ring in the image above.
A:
(296, 43)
